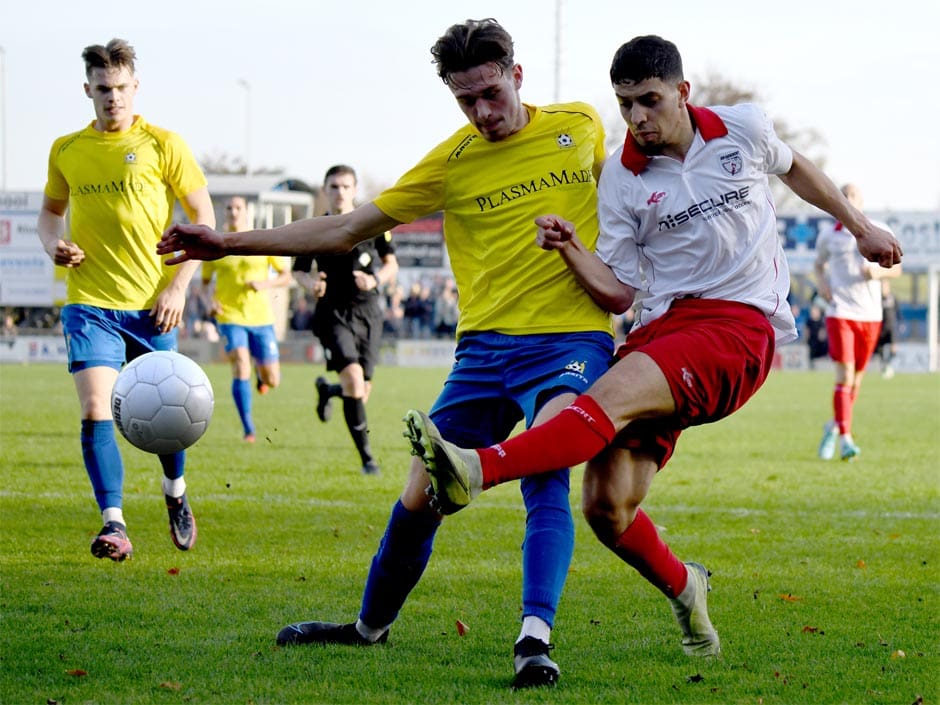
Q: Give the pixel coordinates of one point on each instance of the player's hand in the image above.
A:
(187, 241)
(365, 281)
(879, 245)
(68, 254)
(553, 232)
(167, 311)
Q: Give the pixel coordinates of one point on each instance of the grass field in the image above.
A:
(825, 574)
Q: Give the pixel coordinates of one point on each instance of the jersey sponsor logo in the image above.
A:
(732, 162)
(688, 378)
(565, 140)
(565, 177)
(709, 208)
(655, 197)
(121, 186)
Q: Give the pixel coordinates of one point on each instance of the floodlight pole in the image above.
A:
(247, 86)
(3, 119)
(557, 50)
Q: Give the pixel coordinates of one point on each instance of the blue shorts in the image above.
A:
(498, 380)
(104, 337)
(261, 341)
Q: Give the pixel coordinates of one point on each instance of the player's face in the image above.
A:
(655, 112)
(340, 193)
(112, 91)
(236, 215)
(489, 97)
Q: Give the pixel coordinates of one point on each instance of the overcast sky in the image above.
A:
(353, 81)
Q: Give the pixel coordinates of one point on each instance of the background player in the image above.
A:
(852, 287)
(348, 318)
(242, 311)
(119, 178)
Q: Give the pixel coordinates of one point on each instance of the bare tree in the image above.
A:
(714, 89)
(224, 163)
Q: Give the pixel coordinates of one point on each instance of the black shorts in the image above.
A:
(350, 335)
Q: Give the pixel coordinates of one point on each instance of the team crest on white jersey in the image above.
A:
(565, 140)
(130, 158)
(732, 162)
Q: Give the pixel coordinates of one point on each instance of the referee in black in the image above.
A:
(348, 316)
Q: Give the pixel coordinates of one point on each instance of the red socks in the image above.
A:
(579, 432)
(842, 399)
(641, 547)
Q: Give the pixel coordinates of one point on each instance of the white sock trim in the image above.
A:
(687, 596)
(113, 514)
(367, 632)
(535, 627)
(174, 488)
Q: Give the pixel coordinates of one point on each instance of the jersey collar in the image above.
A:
(707, 121)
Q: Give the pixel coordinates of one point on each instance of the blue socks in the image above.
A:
(173, 465)
(397, 566)
(103, 462)
(105, 467)
(548, 544)
(241, 393)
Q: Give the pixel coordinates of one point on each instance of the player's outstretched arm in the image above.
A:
(555, 233)
(323, 234)
(808, 182)
(188, 241)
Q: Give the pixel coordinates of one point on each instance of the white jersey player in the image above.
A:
(852, 287)
(687, 229)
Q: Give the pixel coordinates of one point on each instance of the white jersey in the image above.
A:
(854, 297)
(704, 227)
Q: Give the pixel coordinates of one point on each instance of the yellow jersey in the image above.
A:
(241, 304)
(121, 188)
(491, 193)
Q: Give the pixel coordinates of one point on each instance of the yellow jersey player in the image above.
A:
(119, 179)
(243, 313)
(530, 338)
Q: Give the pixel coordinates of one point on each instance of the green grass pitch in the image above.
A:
(825, 574)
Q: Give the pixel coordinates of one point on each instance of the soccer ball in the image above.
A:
(162, 402)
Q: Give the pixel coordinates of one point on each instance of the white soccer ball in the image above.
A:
(162, 402)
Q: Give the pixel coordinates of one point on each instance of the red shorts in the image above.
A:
(852, 342)
(715, 356)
